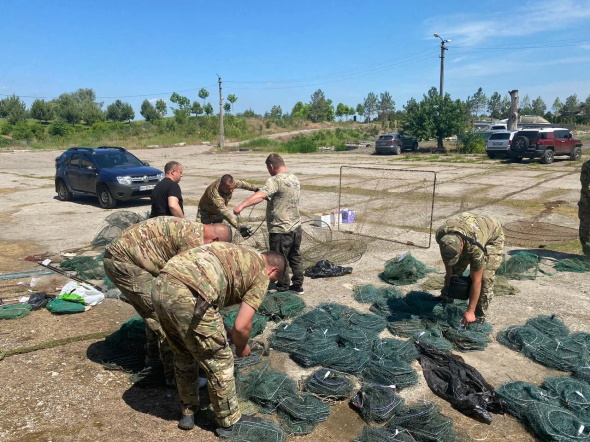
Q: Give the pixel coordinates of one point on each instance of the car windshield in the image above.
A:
(116, 160)
(500, 136)
(386, 137)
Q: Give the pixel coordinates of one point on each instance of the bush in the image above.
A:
(301, 144)
(5, 127)
(22, 131)
(471, 142)
(39, 131)
(59, 128)
(340, 147)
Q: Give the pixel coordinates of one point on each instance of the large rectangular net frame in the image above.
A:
(389, 204)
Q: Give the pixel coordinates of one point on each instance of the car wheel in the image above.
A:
(105, 198)
(397, 150)
(547, 157)
(415, 147)
(576, 154)
(520, 144)
(63, 194)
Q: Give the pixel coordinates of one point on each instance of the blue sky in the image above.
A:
(277, 53)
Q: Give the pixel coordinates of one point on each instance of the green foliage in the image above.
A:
(58, 128)
(471, 142)
(227, 108)
(476, 103)
(300, 110)
(203, 94)
(22, 131)
(261, 142)
(385, 106)
(13, 109)
(196, 108)
(41, 110)
(360, 109)
(161, 108)
(78, 106)
(232, 98)
(320, 109)
(208, 109)
(370, 105)
(538, 106)
(119, 111)
(5, 127)
(149, 112)
(301, 144)
(276, 113)
(434, 116)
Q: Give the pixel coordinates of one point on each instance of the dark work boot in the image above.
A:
(187, 422)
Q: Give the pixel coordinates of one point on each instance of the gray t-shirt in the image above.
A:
(282, 210)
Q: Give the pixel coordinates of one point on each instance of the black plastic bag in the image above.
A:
(326, 269)
(459, 287)
(458, 383)
(39, 300)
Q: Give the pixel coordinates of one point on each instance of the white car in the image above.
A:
(498, 145)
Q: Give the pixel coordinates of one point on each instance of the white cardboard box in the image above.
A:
(321, 218)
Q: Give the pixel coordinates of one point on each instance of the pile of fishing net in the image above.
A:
(86, 267)
(421, 422)
(424, 318)
(299, 412)
(258, 431)
(558, 410)
(343, 339)
(116, 223)
(404, 270)
(329, 384)
(521, 265)
(281, 305)
(576, 265)
(368, 293)
(547, 340)
(125, 348)
(15, 311)
(258, 322)
(377, 403)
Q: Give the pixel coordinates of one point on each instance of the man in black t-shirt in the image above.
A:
(166, 196)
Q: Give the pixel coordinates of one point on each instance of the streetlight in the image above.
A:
(443, 48)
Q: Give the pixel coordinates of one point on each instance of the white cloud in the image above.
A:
(153, 100)
(527, 19)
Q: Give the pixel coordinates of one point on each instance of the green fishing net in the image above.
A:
(501, 286)
(521, 265)
(383, 434)
(369, 293)
(87, 267)
(550, 422)
(263, 431)
(519, 395)
(404, 270)
(573, 393)
(576, 265)
(125, 348)
(281, 305)
(434, 338)
(15, 311)
(299, 413)
(423, 422)
(377, 403)
(329, 383)
(394, 349)
(544, 339)
(394, 373)
(61, 307)
(258, 322)
(116, 223)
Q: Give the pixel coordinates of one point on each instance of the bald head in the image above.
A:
(216, 232)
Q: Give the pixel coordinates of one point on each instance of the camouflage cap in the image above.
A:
(450, 249)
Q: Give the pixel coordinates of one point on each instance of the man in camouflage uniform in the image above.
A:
(584, 208)
(187, 296)
(283, 191)
(213, 204)
(135, 258)
(476, 241)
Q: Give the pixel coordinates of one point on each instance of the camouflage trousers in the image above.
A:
(584, 216)
(493, 260)
(207, 218)
(136, 284)
(203, 340)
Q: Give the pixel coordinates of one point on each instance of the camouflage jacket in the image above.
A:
(483, 229)
(151, 243)
(585, 179)
(214, 203)
(282, 210)
(223, 273)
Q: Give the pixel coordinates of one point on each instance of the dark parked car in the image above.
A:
(545, 143)
(394, 143)
(111, 173)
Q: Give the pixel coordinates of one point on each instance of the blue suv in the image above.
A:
(110, 173)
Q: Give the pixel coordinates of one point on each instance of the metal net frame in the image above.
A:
(393, 205)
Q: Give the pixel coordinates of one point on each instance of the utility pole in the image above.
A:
(443, 48)
(514, 111)
(221, 135)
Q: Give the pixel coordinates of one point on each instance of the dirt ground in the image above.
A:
(63, 394)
